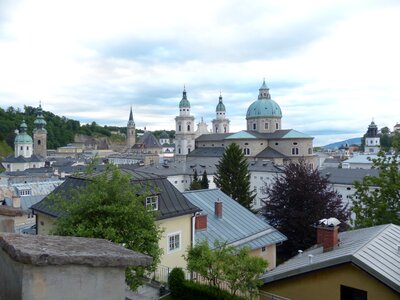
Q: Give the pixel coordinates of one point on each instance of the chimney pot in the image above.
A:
(310, 258)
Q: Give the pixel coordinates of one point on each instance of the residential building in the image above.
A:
(175, 213)
(225, 220)
(353, 265)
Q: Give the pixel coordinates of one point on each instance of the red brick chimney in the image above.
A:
(200, 222)
(327, 233)
(218, 208)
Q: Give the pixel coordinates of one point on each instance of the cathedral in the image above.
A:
(264, 139)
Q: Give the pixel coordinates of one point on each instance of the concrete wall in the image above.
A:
(325, 284)
(28, 282)
(181, 224)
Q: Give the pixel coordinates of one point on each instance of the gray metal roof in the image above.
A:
(374, 250)
(238, 226)
(207, 152)
(264, 166)
(270, 153)
(183, 167)
(347, 176)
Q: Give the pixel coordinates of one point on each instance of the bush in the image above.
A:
(175, 282)
(195, 291)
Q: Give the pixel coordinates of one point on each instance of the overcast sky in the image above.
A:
(332, 66)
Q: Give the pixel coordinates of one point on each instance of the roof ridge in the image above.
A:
(369, 240)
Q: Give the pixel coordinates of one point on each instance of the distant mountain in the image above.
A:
(356, 141)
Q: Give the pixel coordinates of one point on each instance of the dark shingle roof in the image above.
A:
(171, 201)
(149, 140)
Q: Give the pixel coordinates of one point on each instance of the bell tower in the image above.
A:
(40, 134)
(220, 124)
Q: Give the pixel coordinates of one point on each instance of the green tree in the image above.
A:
(195, 184)
(296, 200)
(109, 207)
(227, 264)
(377, 199)
(204, 181)
(233, 177)
(242, 271)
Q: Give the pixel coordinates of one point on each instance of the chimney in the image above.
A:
(16, 201)
(218, 208)
(327, 233)
(200, 222)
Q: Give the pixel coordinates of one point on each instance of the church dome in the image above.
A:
(23, 138)
(264, 106)
(184, 102)
(220, 105)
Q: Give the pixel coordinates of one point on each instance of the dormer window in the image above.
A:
(152, 202)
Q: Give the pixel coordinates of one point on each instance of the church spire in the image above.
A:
(131, 122)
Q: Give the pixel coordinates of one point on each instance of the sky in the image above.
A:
(332, 66)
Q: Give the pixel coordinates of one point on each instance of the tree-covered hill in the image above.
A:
(60, 130)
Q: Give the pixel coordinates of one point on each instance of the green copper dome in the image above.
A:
(23, 138)
(220, 105)
(184, 102)
(264, 106)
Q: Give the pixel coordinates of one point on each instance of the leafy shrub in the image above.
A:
(175, 282)
(195, 291)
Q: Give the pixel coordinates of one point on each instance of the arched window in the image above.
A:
(39, 142)
(277, 125)
(179, 128)
(295, 151)
(254, 126)
(188, 128)
(246, 151)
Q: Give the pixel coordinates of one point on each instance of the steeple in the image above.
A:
(130, 121)
(39, 121)
(130, 131)
(184, 103)
(264, 91)
(220, 123)
(40, 134)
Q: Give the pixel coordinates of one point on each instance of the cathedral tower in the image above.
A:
(372, 139)
(130, 131)
(220, 124)
(40, 134)
(184, 131)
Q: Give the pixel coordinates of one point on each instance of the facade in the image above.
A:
(184, 130)
(220, 124)
(358, 264)
(372, 139)
(130, 131)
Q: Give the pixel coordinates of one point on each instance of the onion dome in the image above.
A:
(184, 102)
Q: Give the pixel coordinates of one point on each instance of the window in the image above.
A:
(295, 151)
(216, 129)
(179, 150)
(294, 143)
(39, 142)
(174, 242)
(276, 125)
(22, 148)
(276, 144)
(349, 293)
(254, 126)
(179, 128)
(309, 150)
(263, 249)
(224, 129)
(246, 151)
(266, 126)
(152, 202)
(27, 147)
(188, 128)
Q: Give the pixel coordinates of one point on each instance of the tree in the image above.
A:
(227, 264)
(195, 184)
(296, 200)
(108, 207)
(377, 199)
(233, 177)
(242, 271)
(204, 181)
